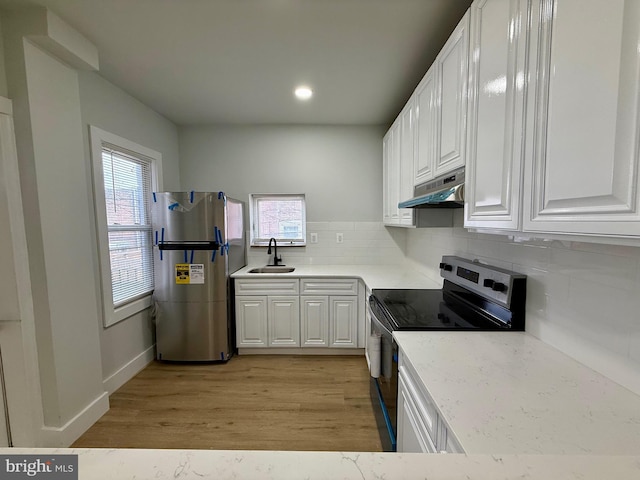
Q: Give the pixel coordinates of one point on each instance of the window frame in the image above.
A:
(100, 139)
(255, 240)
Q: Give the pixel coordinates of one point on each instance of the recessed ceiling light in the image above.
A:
(303, 93)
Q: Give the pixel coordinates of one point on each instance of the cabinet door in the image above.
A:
(406, 162)
(495, 141)
(251, 321)
(343, 318)
(412, 435)
(583, 161)
(284, 321)
(425, 128)
(314, 317)
(391, 174)
(452, 68)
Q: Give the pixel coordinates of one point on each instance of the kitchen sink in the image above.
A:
(272, 269)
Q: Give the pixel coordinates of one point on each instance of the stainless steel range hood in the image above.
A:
(446, 191)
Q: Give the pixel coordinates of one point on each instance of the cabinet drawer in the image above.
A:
(329, 286)
(271, 286)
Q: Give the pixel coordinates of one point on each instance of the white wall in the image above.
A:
(339, 168)
(582, 298)
(55, 199)
(108, 107)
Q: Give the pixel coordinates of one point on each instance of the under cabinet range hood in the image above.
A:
(446, 191)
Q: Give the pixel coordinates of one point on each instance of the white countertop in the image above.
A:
(220, 465)
(374, 276)
(510, 393)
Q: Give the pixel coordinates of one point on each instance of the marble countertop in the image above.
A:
(221, 465)
(374, 276)
(510, 393)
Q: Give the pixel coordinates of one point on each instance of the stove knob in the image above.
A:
(499, 287)
(488, 283)
(446, 267)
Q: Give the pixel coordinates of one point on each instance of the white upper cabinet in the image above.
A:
(441, 109)
(397, 161)
(582, 158)
(391, 175)
(406, 161)
(495, 129)
(425, 128)
(452, 71)
(428, 137)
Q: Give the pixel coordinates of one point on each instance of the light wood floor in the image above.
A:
(250, 403)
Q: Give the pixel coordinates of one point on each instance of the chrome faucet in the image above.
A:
(276, 259)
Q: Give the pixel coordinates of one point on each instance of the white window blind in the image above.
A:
(127, 189)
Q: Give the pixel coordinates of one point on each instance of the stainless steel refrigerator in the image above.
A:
(199, 241)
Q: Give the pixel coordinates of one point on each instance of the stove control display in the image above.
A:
(468, 274)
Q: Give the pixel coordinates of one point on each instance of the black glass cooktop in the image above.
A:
(451, 308)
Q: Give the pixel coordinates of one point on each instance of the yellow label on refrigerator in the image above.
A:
(182, 274)
(189, 274)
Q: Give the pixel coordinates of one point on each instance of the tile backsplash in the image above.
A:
(363, 243)
(582, 298)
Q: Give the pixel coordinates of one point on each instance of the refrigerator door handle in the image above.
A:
(188, 245)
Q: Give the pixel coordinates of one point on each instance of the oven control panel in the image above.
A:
(494, 283)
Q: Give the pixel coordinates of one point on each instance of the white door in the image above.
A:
(343, 318)
(406, 162)
(412, 435)
(284, 321)
(495, 146)
(452, 68)
(251, 321)
(425, 128)
(391, 174)
(583, 162)
(314, 319)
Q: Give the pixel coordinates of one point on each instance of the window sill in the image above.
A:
(280, 243)
(123, 312)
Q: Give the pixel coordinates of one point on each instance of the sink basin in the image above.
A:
(272, 269)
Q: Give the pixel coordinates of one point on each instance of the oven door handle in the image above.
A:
(378, 322)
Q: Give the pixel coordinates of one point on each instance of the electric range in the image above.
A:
(474, 297)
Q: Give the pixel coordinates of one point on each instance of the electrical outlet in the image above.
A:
(314, 237)
(339, 237)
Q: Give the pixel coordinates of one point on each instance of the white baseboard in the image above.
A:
(301, 351)
(128, 370)
(67, 434)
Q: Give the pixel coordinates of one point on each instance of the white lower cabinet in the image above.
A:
(413, 435)
(324, 315)
(266, 321)
(251, 321)
(314, 317)
(343, 321)
(421, 429)
(329, 321)
(283, 321)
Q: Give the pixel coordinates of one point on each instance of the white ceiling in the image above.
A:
(238, 61)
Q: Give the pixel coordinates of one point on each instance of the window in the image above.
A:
(125, 175)
(282, 217)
